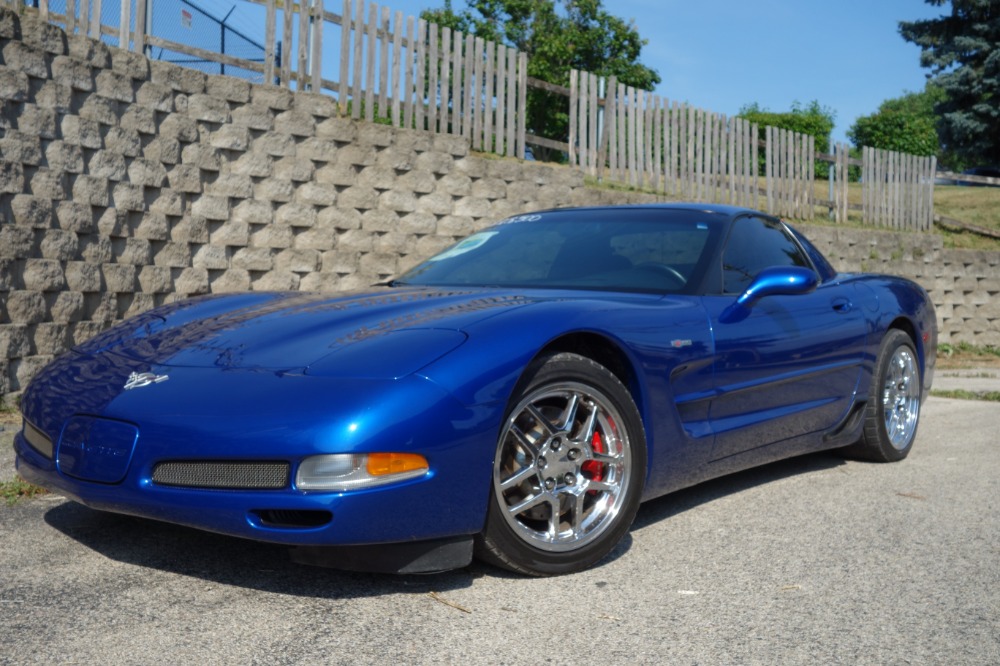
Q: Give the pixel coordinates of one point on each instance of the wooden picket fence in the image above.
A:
(790, 173)
(84, 17)
(418, 75)
(411, 73)
(840, 168)
(393, 69)
(629, 136)
(897, 189)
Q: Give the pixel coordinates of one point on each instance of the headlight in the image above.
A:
(354, 471)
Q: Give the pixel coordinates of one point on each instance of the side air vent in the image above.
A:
(249, 475)
(851, 423)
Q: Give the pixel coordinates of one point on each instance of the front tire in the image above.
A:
(893, 410)
(568, 471)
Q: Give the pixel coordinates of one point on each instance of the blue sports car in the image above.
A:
(514, 397)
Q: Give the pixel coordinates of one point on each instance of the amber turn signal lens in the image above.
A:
(342, 472)
(381, 464)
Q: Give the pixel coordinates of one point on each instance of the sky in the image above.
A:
(720, 55)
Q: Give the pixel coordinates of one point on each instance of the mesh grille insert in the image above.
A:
(223, 475)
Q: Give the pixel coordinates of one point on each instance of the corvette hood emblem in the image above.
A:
(138, 380)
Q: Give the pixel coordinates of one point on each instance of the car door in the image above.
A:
(791, 365)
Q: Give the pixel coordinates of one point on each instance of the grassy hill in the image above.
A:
(978, 206)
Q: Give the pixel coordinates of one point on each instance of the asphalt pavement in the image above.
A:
(815, 560)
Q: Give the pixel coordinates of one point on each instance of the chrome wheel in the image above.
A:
(568, 470)
(563, 466)
(893, 408)
(901, 398)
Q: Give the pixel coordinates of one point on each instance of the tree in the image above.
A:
(582, 36)
(905, 124)
(813, 119)
(962, 50)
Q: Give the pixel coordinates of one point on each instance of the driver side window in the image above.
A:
(755, 244)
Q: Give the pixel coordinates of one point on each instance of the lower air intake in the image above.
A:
(223, 475)
(292, 518)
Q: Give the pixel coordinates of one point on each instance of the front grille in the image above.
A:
(37, 439)
(222, 475)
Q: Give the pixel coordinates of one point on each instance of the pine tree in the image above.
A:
(962, 50)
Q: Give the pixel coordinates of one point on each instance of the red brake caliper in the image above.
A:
(593, 469)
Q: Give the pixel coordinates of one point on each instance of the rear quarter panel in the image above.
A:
(895, 302)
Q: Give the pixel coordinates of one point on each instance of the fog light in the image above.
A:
(354, 471)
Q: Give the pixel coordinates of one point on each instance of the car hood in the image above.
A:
(287, 331)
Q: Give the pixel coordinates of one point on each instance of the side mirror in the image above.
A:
(774, 281)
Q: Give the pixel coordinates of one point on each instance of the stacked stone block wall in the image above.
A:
(127, 183)
(963, 284)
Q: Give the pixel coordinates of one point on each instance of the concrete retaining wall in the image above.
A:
(964, 284)
(126, 183)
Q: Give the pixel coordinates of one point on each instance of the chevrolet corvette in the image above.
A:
(514, 397)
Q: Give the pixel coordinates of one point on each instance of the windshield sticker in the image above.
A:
(702, 226)
(520, 218)
(468, 245)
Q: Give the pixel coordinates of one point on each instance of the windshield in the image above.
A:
(651, 250)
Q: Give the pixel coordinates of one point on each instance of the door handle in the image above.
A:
(841, 304)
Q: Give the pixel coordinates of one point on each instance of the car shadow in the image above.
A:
(266, 567)
(680, 501)
(233, 561)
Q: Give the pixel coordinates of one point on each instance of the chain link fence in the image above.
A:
(179, 21)
(185, 23)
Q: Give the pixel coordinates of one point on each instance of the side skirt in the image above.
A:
(846, 432)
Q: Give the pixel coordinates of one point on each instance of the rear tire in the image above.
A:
(893, 410)
(568, 471)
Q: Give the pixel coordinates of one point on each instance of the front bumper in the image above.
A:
(178, 421)
(411, 510)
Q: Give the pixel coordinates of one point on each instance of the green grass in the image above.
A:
(948, 349)
(964, 355)
(971, 375)
(961, 394)
(14, 491)
(975, 205)
(11, 492)
(979, 206)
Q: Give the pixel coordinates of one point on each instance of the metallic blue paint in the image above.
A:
(779, 281)
(776, 281)
(432, 370)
